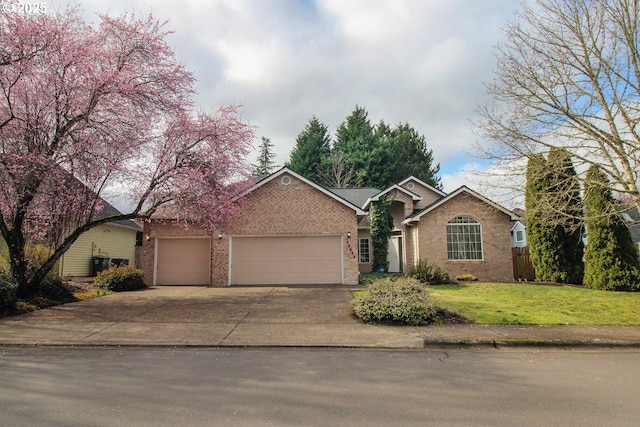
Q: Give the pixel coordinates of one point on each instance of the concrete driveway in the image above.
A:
(303, 316)
(202, 316)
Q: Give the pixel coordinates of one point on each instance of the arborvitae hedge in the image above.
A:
(567, 203)
(545, 241)
(611, 258)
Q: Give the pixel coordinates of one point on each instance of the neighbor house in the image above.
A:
(116, 240)
(632, 219)
(519, 234)
(294, 231)
(519, 230)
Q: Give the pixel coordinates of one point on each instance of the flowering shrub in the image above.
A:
(403, 301)
(120, 279)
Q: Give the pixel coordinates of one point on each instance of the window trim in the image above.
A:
(465, 251)
(360, 252)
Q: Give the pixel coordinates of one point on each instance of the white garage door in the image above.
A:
(183, 261)
(286, 260)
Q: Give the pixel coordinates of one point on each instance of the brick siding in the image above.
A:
(496, 239)
(273, 209)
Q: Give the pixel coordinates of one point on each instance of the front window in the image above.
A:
(464, 239)
(363, 251)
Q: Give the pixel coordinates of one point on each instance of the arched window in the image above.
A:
(464, 239)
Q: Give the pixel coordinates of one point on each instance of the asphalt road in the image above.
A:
(306, 387)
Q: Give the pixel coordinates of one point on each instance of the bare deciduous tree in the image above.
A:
(568, 76)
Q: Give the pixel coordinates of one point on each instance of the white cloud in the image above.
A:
(416, 61)
(503, 184)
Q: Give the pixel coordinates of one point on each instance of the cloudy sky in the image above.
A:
(417, 61)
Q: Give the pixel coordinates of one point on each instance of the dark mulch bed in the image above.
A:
(80, 286)
(447, 317)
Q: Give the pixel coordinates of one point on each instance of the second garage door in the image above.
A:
(286, 260)
(183, 261)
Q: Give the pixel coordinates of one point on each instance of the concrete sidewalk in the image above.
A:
(305, 316)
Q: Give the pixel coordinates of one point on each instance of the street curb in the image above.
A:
(428, 345)
(532, 343)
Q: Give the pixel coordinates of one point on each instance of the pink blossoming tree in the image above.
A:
(85, 110)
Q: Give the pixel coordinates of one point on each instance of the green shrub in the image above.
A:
(428, 274)
(403, 301)
(52, 288)
(368, 278)
(120, 279)
(7, 294)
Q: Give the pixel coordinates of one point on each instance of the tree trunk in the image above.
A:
(18, 263)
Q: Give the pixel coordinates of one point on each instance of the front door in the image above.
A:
(394, 254)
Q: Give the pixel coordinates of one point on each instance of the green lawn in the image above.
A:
(530, 304)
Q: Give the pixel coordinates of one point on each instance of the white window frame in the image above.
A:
(361, 241)
(468, 236)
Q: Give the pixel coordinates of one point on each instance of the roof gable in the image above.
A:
(423, 184)
(463, 189)
(377, 197)
(517, 225)
(285, 170)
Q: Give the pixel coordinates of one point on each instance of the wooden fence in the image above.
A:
(522, 266)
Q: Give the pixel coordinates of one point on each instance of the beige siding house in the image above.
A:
(113, 240)
(294, 231)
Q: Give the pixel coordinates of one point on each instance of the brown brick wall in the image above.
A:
(273, 209)
(496, 238)
(409, 247)
(297, 209)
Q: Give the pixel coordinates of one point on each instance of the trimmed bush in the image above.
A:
(368, 278)
(120, 279)
(403, 301)
(7, 295)
(428, 274)
(52, 288)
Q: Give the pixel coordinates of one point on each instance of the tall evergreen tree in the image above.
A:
(564, 196)
(310, 156)
(545, 242)
(363, 155)
(410, 156)
(355, 140)
(380, 158)
(397, 153)
(265, 164)
(611, 258)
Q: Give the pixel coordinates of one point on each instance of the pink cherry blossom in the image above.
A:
(88, 109)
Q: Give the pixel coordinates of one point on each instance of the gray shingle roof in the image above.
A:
(355, 196)
(109, 210)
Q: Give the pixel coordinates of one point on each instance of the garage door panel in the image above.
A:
(286, 260)
(183, 261)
